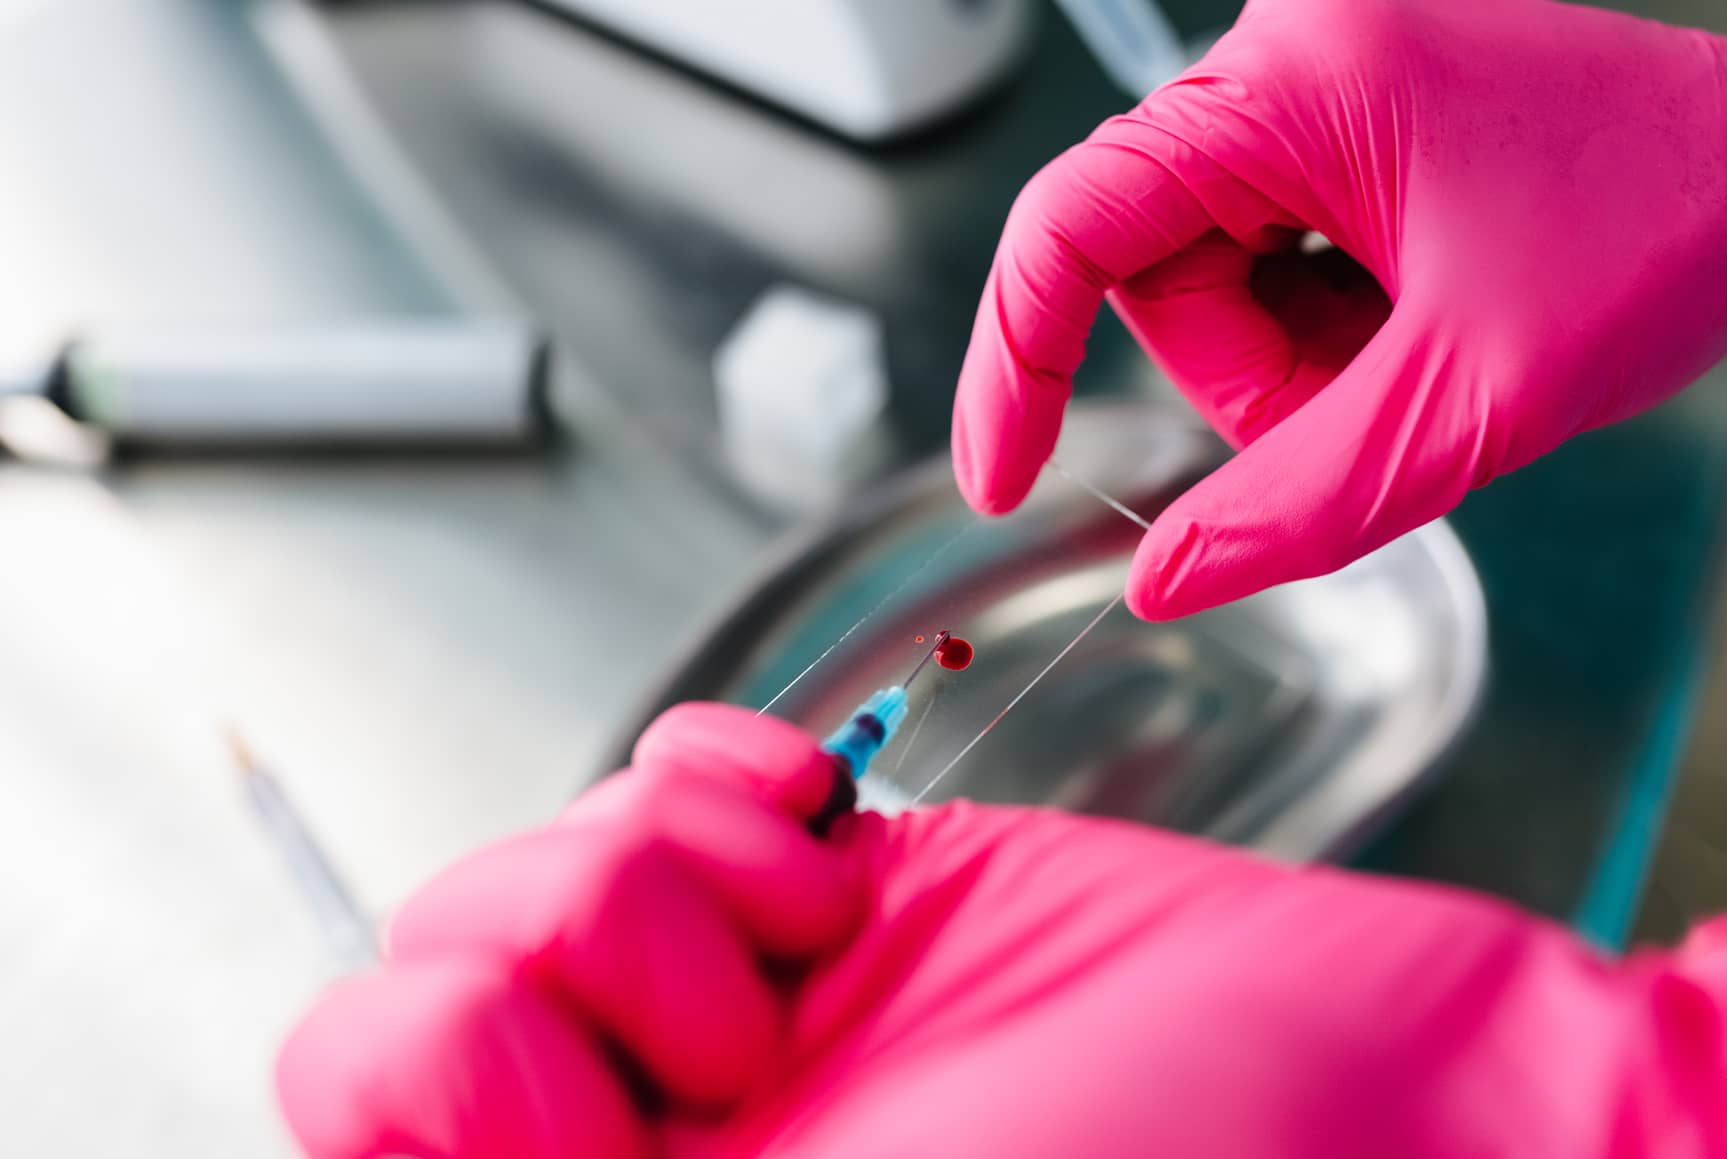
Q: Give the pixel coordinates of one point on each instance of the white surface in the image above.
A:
(802, 374)
(163, 174)
(801, 380)
(151, 952)
(429, 657)
(868, 68)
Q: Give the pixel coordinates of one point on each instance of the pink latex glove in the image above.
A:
(677, 969)
(1540, 189)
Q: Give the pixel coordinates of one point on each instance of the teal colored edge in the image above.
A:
(1609, 905)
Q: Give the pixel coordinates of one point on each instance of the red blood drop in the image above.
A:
(954, 653)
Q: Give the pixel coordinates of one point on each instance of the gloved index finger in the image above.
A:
(774, 759)
(1101, 212)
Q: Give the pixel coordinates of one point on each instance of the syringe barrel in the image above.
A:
(859, 739)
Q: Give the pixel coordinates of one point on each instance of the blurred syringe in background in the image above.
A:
(345, 926)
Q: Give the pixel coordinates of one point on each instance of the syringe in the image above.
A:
(346, 927)
(857, 742)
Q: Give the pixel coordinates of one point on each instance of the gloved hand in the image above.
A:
(1540, 189)
(678, 969)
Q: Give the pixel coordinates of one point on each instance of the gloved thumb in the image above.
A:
(1396, 440)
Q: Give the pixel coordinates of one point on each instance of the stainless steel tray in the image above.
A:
(1290, 721)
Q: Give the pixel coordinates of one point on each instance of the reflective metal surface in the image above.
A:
(1289, 721)
(1599, 561)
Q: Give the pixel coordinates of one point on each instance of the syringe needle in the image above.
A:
(856, 742)
(941, 638)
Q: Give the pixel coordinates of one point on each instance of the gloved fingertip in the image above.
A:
(773, 757)
(310, 1070)
(973, 489)
(788, 891)
(448, 1058)
(991, 503)
(994, 481)
(978, 470)
(608, 921)
(1169, 578)
(1006, 419)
